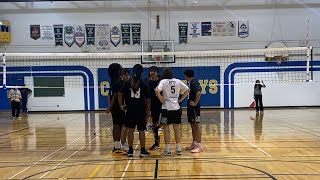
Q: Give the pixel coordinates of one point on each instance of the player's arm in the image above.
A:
(186, 91)
(262, 84)
(120, 98)
(148, 99)
(158, 92)
(195, 88)
(198, 95)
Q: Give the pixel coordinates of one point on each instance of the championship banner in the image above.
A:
(69, 35)
(136, 33)
(102, 36)
(206, 29)
(224, 28)
(115, 36)
(35, 32)
(208, 82)
(183, 32)
(243, 29)
(79, 35)
(90, 32)
(46, 32)
(126, 35)
(195, 29)
(58, 36)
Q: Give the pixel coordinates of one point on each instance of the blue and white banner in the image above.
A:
(208, 78)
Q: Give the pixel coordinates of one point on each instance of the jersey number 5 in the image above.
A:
(173, 89)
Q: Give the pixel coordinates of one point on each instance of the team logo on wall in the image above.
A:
(195, 29)
(35, 32)
(79, 35)
(69, 35)
(115, 36)
(243, 29)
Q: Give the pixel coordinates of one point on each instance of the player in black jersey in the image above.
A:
(153, 82)
(136, 95)
(114, 71)
(193, 111)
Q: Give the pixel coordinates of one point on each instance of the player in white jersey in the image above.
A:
(170, 88)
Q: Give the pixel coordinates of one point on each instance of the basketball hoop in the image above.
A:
(157, 59)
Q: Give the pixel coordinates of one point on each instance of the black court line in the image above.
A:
(156, 169)
(282, 174)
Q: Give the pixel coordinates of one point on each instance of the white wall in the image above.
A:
(281, 94)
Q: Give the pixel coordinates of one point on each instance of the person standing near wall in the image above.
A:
(24, 101)
(15, 99)
(258, 95)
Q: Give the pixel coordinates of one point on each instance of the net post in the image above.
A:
(309, 50)
(4, 68)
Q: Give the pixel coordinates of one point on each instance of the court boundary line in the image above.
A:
(129, 162)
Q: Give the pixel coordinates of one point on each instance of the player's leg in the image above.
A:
(164, 122)
(156, 126)
(191, 120)
(175, 118)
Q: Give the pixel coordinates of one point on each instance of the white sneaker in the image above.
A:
(166, 153)
(19, 117)
(125, 146)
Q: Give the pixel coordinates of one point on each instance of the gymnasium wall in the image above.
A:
(291, 26)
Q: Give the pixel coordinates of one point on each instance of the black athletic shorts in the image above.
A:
(193, 113)
(170, 117)
(136, 119)
(155, 117)
(118, 116)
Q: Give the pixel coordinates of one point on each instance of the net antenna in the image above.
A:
(4, 67)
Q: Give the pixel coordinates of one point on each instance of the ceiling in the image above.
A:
(11, 6)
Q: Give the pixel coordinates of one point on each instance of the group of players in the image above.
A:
(133, 100)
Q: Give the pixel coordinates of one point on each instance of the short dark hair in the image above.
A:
(167, 73)
(154, 68)
(189, 73)
(137, 70)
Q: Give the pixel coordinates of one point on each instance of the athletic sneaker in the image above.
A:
(178, 152)
(166, 153)
(19, 117)
(198, 149)
(118, 151)
(191, 147)
(144, 153)
(125, 146)
(130, 153)
(154, 147)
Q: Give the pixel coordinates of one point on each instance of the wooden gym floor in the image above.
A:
(283, 144)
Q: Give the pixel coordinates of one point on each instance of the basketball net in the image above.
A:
(157, 59)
